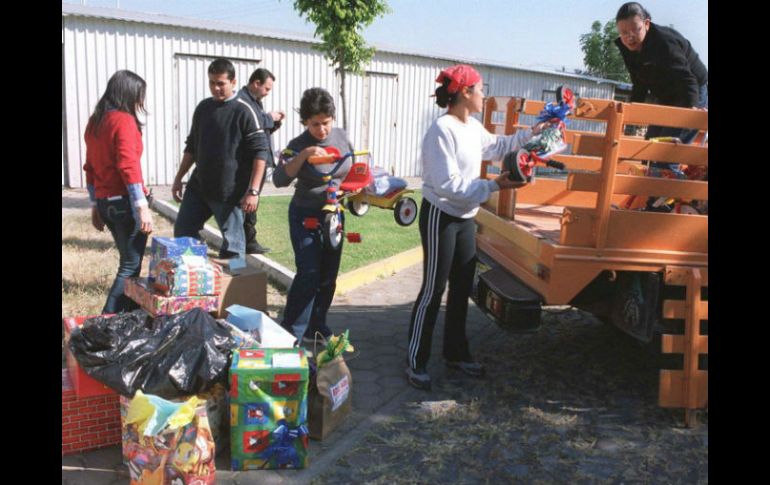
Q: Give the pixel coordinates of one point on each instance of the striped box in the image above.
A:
(139, 290)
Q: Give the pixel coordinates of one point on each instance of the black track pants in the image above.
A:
(449, 253)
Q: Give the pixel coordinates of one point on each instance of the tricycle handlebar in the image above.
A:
(322, 159)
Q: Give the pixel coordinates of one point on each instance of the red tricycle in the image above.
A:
(352, 191)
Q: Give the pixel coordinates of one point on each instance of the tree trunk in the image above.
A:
(342, 97)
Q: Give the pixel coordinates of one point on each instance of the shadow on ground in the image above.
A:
(575, 402)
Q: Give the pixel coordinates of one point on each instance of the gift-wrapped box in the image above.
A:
(187, 276)
(173, 248)
(139, 290)
(268, 409)
(159, 450)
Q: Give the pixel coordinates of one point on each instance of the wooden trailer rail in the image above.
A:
(558, 235)
(686, 388)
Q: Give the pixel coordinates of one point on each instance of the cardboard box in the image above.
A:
(247, 287)
(268, 409)
(173, 248)
(89, 423)
(271, 334)
(83, 384)
(138, 289)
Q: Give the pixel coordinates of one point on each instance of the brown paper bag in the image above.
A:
(329, 398)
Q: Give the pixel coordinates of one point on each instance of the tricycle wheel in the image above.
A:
(332, 230)
(405, 211)
(358, 207)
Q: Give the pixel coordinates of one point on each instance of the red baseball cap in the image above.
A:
(461, 75)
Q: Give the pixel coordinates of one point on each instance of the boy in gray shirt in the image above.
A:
(311, 293)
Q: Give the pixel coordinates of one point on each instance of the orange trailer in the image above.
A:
(568, 242)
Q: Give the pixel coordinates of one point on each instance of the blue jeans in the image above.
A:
(312, 290)
(195, 211)
(123, 223)
(684, 134)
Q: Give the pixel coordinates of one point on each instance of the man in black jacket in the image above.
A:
(663, 64)
(229, 148)
(260, 85)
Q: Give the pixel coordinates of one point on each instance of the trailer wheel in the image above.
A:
(405, 211)
(358, 207)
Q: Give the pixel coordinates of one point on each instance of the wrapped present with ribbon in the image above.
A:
(140, 291)
(268, 409)
(174, 248)
(282, 450)
(187, 276)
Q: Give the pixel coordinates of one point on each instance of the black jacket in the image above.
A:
(265, 120)
(224, 140)
(667, 67)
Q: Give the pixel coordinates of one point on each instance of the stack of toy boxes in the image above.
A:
(268, 409)
(90, 416)
(181, 278)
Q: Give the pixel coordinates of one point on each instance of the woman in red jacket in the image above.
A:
(114, 178)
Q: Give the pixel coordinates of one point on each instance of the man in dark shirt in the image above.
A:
(260, 84)
(229, 148)
(662, 64)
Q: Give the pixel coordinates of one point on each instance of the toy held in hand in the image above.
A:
(550, 141)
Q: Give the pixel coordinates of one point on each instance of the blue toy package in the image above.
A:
(549, 142)
(173, 249)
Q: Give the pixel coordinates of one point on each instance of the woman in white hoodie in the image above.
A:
(452, 151)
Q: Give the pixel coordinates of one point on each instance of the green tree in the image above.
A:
(601, 56)
(338, 24)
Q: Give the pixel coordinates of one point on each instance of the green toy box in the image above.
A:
(268, 409)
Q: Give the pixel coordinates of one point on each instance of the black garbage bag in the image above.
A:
(170, 356)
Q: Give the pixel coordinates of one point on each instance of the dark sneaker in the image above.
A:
(255, 248)
(471, 368)
(418, 378)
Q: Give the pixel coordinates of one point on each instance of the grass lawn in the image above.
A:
(381, 237)
(89, 258)
(89, 261)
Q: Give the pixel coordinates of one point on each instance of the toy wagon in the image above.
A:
(385, 192)
(357, 190)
